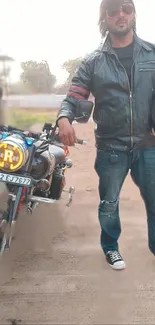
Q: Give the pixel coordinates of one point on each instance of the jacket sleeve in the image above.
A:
(80, 89)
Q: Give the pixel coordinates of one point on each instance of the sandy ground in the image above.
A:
(56, 273)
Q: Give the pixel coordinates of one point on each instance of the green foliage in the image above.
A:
(18, 88)
(70, 66)
(25, 120)
(37, 76)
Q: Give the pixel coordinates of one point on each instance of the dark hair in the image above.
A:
(102, 16)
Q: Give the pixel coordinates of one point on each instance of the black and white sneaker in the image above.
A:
(115, 260)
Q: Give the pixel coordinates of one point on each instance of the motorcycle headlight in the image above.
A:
(13, 154)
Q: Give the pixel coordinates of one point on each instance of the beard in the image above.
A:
(121, 30)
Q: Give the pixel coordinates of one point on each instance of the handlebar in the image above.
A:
(37, 135)
(81, 141)
(10, 128)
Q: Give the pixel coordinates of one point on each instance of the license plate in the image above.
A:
(15, 179)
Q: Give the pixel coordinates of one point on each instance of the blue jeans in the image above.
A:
(112, 168)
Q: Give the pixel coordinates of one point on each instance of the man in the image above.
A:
(120, 75)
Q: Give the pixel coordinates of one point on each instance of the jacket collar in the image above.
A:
(139, 43)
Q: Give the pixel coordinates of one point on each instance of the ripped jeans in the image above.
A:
(112, 168)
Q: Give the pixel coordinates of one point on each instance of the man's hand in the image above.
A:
(66, 132)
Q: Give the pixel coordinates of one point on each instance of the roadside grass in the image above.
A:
(28, 117)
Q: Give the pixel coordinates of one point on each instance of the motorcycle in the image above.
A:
(33, 166)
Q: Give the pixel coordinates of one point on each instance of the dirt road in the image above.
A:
(56, 272)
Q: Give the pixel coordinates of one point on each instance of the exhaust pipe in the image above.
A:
(34, 198)
(39, 199)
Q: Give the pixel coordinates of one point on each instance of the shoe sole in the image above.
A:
(117, 267)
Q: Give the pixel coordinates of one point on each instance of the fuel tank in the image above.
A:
(44, 164)
(58, 153)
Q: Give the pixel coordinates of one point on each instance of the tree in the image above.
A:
(18, 88)
(37, 76)
(70, 66)
(61, 89)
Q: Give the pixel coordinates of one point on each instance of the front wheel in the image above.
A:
(8, 221)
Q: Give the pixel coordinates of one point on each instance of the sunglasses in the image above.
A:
(127, 8)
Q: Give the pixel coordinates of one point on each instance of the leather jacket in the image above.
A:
(123, 114)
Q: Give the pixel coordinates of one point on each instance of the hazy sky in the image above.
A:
(58, 30)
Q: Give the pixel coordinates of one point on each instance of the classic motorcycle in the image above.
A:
(32, 166)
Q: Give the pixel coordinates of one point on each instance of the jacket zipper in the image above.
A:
(130, 102)
(131, 107)
(147, 62)
(147, 69)
(131, 124)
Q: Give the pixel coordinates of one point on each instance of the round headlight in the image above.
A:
(13, 154)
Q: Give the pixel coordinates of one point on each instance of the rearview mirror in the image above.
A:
(83, 111)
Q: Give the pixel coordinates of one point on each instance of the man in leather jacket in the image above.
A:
(120, 75)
